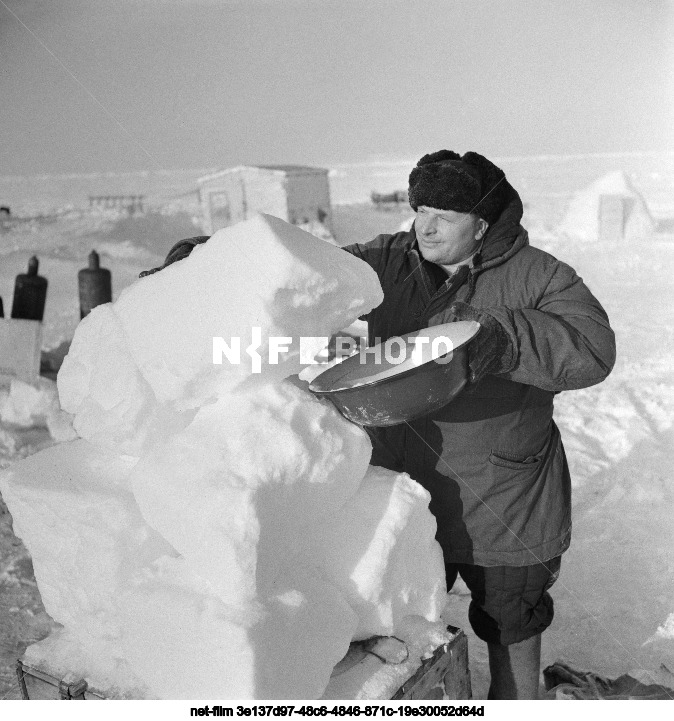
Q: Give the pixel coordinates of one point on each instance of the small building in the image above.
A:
(295, 193)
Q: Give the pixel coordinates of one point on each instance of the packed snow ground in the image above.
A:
(615, 597)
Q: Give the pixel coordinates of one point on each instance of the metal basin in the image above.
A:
(401, 379)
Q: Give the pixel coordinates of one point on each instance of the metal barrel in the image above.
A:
(95, 285)
(30, 293)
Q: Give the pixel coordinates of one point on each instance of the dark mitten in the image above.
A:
(491, 351)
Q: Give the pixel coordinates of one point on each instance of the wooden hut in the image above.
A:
(295, 193)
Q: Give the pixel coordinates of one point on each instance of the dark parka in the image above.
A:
(493, 459)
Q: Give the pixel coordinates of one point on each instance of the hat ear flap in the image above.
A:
(439, 156)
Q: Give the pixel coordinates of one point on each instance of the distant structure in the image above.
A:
(129, 203)
(297, 194)
(609, 210)
(5, 217)
(382, 199)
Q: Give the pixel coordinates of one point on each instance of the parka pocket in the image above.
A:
(506, 460)
(529, 494)
(520, 462)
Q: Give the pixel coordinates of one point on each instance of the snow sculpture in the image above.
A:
(215, 532)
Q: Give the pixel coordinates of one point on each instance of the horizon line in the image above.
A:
(361, 164)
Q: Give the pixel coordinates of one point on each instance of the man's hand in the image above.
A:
(491, 351)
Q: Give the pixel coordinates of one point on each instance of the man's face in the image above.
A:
(446, 237)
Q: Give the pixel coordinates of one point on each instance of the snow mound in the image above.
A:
(666, 631)
(216, 532)
(320, 230)
(581, 220)
(27, 406)
(406, 225)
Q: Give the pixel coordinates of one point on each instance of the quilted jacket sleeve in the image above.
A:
(375, 253)
(565, 342)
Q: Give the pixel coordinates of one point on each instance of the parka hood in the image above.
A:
(505, 236)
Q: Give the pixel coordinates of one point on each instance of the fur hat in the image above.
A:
(468, 184)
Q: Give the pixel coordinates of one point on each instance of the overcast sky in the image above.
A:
(95, 85)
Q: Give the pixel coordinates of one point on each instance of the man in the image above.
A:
(492, 459)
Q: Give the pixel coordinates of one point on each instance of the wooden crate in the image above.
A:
(37, 684)
(444, 675)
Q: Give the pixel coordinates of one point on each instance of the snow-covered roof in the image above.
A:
(283, 169)
(293, 169)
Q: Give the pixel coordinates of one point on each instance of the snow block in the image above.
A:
(20, 342)
(99, 383)
(233, 491)
(285, 646)
(380, 549)
(262, 272)
(72, 507)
